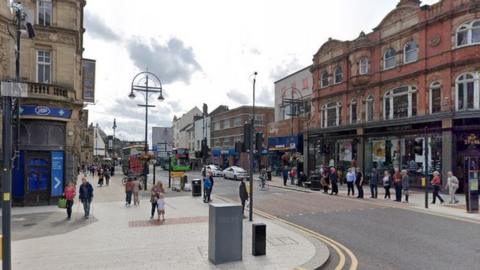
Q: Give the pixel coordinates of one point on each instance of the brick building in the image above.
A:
(415, 76)
(228, 129)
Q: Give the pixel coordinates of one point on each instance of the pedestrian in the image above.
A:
(452, 184)
(242, 192)
(69, 194)
(351, 178)
(340, 176)
(405, 184)
(106, 174)
(210, 176)
(374, 178)
(207, 187)
(161, 206)
(112, 170)
(387, 183)
(86, 195)
(129, 186)
(154, 194)
(100, 176)
(293, 174)
(397, 184)
(302, 178)
(359, 183)
(324, 180)
(136, 190)
(436, 183)
(285, 175)
(332, 177)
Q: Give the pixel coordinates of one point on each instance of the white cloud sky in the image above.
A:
(207, 50)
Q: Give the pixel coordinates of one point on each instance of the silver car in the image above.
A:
(216, 171)
(235, 173)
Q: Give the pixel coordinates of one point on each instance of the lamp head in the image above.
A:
(132, 95)
(161, 98)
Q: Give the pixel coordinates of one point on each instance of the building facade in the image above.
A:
(181, 133)
(162, 140)
(406, 95)
(51, 66)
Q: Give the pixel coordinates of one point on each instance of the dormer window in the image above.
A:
(324, 79)
(389, 59)
(338, 75)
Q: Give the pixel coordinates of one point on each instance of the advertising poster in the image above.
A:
(57, 173)
(346, 150)
(88, 72)
(378, 151)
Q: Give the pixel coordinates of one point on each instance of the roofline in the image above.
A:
(294, 73)
(244, 106)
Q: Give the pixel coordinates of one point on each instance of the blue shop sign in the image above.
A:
(34, 110)
(57, 173)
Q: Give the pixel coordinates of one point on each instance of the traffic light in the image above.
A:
(259, 141)
(247, 135)
(204, 152)
(418, 147)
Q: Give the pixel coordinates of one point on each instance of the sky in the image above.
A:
(207, 51)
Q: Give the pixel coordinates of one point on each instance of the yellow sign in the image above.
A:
(6, 196)
(177, 174)
(424, 182)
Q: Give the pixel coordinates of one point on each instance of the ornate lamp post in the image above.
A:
(148, 84)
(113, 142)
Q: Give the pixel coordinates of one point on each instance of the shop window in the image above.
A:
(363, 66)
(338, 75)
(400, 103)
(44, 15)
(331, 114)
(467, 95)
(353, 111)
(468, 34)
(324, 79)
(435, 97)
(389, 59)
(411, 52)
(369, 109)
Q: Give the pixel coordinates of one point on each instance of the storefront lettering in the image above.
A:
(472, 139)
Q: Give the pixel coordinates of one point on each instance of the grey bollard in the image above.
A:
(225, 233)
(259, 239)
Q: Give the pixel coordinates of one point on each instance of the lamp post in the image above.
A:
(148, 84)
(96, 141)
(250, 212)
(113, 142)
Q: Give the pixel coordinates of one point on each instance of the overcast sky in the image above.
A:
(205, 51)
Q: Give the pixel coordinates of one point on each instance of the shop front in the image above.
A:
(279, 146)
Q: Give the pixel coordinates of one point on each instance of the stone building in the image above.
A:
(415, 77)
(51, 126)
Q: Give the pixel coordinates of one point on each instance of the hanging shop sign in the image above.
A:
(38, 110)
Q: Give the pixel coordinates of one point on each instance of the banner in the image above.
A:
(57, 181)
(88, 80)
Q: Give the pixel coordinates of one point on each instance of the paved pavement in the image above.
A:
(119, 237)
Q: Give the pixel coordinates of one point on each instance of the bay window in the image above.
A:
(468, 34)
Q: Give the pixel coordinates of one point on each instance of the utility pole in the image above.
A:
(252, 132)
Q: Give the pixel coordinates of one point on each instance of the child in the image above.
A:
(161, 206)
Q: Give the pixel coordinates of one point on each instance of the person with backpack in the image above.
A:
(243, 194)
(86, 195)
(70, 194)
(207, 188)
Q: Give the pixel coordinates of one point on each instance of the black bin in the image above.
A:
(269, 175)
(315, 183)
(259, 239)
(196, 187)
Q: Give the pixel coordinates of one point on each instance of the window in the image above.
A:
(43, 67)
(338, 75)
(435, 97)
(305, 83)
(353, 111)
(324, 78)
(258, 120)
(467, 95)
(237, 122)
(44, 15)
(331, 114)
(226, 123)
(216, 125)
(411, 52)
(369, 109)
(468, 34)
(389, 59)
(363, 66)
(400, 103)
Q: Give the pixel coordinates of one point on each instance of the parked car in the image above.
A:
(216, 171)
(235, 173)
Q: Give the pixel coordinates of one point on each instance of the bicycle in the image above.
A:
(264, 186)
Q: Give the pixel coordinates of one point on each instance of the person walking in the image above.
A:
(452, 184)
(397, 184)
(387, 183)
(351, 177)
(100, 177)
(332, 177)
(86, 196)
(154, 194)
(324, 180)
(129, 186)
(161, 206)
(207, 187)
(359, 183)
(436, 183)
(70, 194)
(374, 179)
(285, 175)
(136, 191)
(210, 176)
(243, 194)
(405, 185)
(293, 174)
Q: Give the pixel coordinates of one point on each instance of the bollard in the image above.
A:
(259, 239)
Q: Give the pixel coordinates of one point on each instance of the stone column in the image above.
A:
(360, 150)
(447, 148)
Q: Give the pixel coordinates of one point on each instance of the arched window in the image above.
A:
(324, 79)
(369, 109)
(389, 59)
(467, 92)
(410, 52)
(400, 103)
(338, 75)
(363, 66)
(331, 114)
(353, 112)
(435, 97)
(468, 33)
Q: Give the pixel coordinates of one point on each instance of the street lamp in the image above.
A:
(148, 84)
(113, 142)
(250, 212)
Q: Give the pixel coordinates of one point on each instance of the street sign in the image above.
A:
(14, 89)
(177, 174)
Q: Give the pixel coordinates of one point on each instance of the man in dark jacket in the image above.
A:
(86, 195)
(242, 192)
(374, 178)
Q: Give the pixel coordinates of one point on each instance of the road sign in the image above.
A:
(177, 174)
(14, 89)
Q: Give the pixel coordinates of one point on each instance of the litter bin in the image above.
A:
(315, 183)
(196, 187)
(259, 239)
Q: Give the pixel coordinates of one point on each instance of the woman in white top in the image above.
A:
(161, 206)
(452, 184)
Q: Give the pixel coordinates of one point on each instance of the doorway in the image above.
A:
(37, 177)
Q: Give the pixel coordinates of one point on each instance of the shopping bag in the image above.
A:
(62, 203)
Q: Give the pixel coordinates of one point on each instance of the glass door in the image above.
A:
(37, 175)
